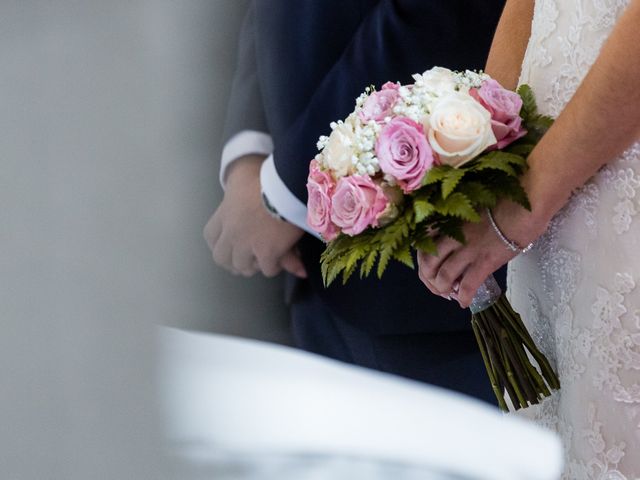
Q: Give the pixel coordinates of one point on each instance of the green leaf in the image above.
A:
(393, 234)
(536, 127)
(451, 181)
(536, 124)
(368, 263)
(478, 194)
(426, 244)
(436, 174)
(422, 209)
(385, 256)
(457, 205)
(497, 160)
(343, 254)
(510, 188)
(521, 149)
(543, 122)
(529, 108)
(324, 270)
(403, 255)
(453, 230)
(347, 272)
(333, 270)
(354, 256)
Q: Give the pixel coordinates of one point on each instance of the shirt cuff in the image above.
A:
(246, 142)
(286, 203)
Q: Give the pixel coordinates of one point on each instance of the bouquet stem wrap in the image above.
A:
(507, 350)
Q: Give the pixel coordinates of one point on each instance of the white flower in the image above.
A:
(322, 142)
(460, 129)
(473, 79)
(469, 79)
(339, 149)
(438, 80)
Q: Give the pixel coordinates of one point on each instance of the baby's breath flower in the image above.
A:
(322, 142)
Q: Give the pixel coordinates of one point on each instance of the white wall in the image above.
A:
(110, 118)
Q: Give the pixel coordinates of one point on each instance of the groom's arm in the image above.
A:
(241, 234)
(246, 131)
(398, 38)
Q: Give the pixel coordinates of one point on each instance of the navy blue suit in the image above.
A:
(302, 64)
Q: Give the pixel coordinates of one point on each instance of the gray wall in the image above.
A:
(110, 131)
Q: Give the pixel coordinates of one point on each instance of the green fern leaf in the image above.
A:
(457, 205)
(451, 181)
(354, 256)
(333, 270)
(539, 123)
(422, 209)
(385, 256)
(510, 188)
(403, 255)
(521, 149)
(478, 194)
(394, 233)
(529, 108)
(453, 230)
(368, 263)
(497, 160)
(347, 272)
(436, 174)
(426, 244)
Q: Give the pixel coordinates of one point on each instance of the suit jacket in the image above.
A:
(302, 63)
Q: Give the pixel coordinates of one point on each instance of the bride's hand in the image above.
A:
(459, 270)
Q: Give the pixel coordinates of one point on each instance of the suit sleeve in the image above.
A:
(246, 129)
(245, 109)
(398, 38)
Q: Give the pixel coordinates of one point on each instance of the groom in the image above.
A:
(301, 65)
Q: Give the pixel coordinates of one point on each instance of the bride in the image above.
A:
(577, 289)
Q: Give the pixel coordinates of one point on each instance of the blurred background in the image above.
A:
(110, 137)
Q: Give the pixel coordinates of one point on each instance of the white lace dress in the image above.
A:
(578, 290)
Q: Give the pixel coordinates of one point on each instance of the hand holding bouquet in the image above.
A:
(415, 161)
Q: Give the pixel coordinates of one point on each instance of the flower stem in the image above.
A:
(497, 390)
(505, 345)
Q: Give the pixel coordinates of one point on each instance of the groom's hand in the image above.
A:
(243, 237)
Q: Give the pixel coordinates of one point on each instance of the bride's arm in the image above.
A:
(510, 42)
(600, 122)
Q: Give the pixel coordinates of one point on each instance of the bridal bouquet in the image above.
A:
(415, 161)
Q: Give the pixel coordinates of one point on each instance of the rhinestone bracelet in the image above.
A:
(511, 245)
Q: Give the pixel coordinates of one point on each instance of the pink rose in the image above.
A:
(504, 107)
(391, 86)
(357, 203)
(379, 105)
(404, 152)
(320, 187)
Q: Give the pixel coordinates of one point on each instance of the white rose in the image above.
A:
(460, 129)
(339, 151)
(438, 80)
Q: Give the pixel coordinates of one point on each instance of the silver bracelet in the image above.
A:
(511, 245)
